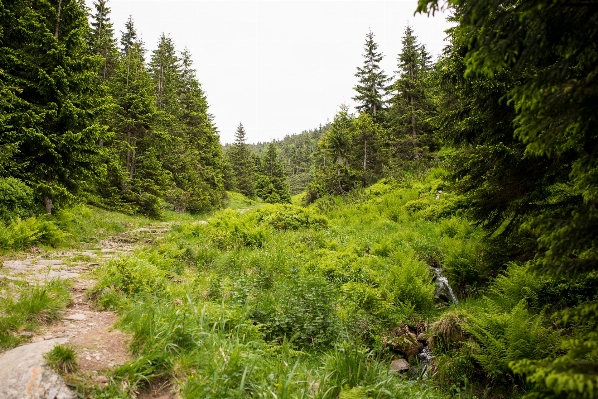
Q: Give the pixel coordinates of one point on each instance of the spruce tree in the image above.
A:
(102, 40)
(271, 184)
(410, 133)
(372, 86)
(242, 164)
(49, 100)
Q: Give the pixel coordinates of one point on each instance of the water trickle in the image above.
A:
(425, 358)
(442, 285)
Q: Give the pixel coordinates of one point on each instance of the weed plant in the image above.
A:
(24, 308)
(62, 359)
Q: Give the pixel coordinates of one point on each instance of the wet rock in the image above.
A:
(24, 374)
(404, 341)
(399, 365)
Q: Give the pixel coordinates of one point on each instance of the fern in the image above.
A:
(503, 337)
(574, 374)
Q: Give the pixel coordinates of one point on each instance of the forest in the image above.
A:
(440, 241)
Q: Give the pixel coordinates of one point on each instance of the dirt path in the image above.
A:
(99, 348)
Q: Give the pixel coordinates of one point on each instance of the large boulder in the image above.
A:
(24, 374)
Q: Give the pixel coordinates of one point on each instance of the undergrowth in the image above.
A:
(288, 301)
(23, 308)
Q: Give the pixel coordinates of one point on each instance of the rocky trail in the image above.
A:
(99, 348)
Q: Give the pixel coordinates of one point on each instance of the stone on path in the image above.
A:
(25, 375)
(399, 365)
(76, 316)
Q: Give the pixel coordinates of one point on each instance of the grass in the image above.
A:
(285, 301)
(62, 359)
(24, 308)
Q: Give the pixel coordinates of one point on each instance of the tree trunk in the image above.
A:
(48, 204)
(56, 33)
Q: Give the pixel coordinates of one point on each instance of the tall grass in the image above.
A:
(24, 308)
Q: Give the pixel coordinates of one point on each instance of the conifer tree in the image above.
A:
(271, 183)
(242, 164)
(50, 120)
(166, 74)
(410, 132)
(366, 156)
(102, 40)
(333, 171)
(372, 86)
(196, 159)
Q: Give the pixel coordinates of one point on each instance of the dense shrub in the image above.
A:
(16, 199)
(290, 217)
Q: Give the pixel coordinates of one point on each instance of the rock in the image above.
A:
(406, 344)
(76, 316)
(421, 337)
(399, 365)
(101, 379)
(24, 374)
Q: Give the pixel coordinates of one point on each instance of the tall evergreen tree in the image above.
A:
(242, 164)
(333, 171)
(366, 156)
(410, 133)
(102, 40)
(271, 183)
(51, 107)
(372, 87)
(196, 160)
(166, 74)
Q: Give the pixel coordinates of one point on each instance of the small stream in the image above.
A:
(444, 292)
(443, 287)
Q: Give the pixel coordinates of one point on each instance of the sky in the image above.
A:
(278, 67)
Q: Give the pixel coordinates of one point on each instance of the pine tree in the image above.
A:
(410, 133)
(242, 164)
(366, 156)
(102, 40)
(196, 161)
(333, 171)
(271, 183)
(372, 86)
(51, 104)
(166, 74)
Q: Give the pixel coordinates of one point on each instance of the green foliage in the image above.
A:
(20, 234)
(53, 105)
(16, 199)
(242, 164)
(62, 359)
(133, 276)
(301, 311)
(504, 337)
(25, 307)
(290, 217)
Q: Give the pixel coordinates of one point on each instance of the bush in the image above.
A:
(500, 338)
(16, 199)
(290, 217)
(23, 233)
(132, 276)
(301, 311)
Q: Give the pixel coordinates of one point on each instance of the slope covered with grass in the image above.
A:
(286, 301)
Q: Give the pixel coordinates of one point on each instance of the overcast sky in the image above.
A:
(278, 67)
